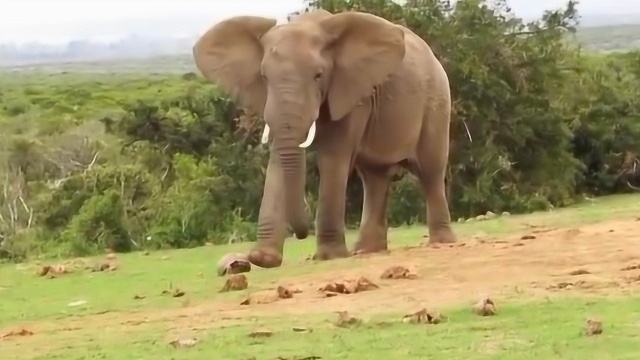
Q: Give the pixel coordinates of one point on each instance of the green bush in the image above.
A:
(132, 162)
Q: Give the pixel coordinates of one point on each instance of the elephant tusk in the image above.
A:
(312, 134)
(265, 134)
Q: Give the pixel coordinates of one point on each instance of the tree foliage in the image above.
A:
(537, 123)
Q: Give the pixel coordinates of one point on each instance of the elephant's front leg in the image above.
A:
(272, 226)
(330, 214)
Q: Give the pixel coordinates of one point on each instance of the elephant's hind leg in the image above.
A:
(432, 183)
(430, 167)
(373, 225)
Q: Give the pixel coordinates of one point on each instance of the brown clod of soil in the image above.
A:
(260, 298)
(398, 272)
(53, 271)
(284, 293)
(300, 329)
(424, 317)
(485, 307)
(176, 293)
(183, 343)
(579, 272)
(104, 266)
(348, 287)
(631, 267)
(593, 327)
(234, 263)
(261, 333)
(527, 237)
(235, 282)
(15, 333)
(139, 297)
(346, 320)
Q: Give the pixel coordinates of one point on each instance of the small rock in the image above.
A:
(176, 293)
(348, 287)
(398, 272)
(346, 320)
(423, 317)
(579, 272)
(593, 327)
(505, 213)
(262, 333)
(470, 220)
(14, 333)
(461, 220)
(260, 298)
(284, 293)
(300, 329)
(235, 282)
(631, 267)
(481, 217)
(485, 307)
(490, 215)
(183, 343)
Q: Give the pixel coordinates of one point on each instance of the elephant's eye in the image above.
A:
(318, 76)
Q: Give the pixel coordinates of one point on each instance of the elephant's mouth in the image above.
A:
(310, 135)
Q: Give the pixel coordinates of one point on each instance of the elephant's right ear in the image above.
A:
(229, 54)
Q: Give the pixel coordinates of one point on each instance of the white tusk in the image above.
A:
(312, 134)
(265, 134)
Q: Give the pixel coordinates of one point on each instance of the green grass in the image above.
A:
(547, 330)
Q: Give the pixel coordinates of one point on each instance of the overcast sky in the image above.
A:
(63, 20)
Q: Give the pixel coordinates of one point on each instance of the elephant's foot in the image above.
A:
(442, 236)
(370, 247)
(265, 258)
(331, 251)
(372, 239)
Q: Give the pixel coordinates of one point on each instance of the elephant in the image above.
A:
(364, 93)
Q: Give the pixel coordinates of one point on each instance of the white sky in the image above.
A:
(62, 20)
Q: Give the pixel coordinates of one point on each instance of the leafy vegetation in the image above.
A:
(138, 161)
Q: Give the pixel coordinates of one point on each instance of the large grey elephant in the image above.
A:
(364, 92)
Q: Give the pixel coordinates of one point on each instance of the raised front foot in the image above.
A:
(331, 252)
(265, 258)
(442, 236)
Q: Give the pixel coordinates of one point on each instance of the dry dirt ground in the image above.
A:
(595, 259)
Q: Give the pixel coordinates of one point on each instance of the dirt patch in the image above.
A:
(589, 260)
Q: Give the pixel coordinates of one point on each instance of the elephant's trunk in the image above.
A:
(293, 162)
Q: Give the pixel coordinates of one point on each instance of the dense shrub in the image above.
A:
(125, 163)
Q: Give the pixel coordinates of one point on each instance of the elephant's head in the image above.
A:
(286, 72)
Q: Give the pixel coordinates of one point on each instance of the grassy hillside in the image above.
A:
(610, 38)
(567, 269)
(597, 39)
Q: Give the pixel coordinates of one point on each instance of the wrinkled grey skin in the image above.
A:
(367, 94)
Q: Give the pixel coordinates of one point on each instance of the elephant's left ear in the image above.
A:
(367, 50)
